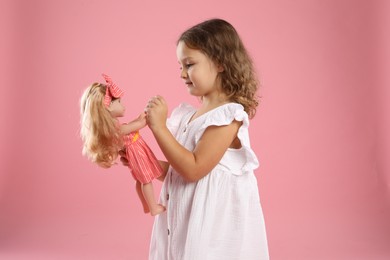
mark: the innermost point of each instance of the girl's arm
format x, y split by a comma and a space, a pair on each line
192, 165
136, 124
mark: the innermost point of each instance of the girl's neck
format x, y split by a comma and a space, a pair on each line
211, 102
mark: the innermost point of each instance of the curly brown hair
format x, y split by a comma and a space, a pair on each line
218, 39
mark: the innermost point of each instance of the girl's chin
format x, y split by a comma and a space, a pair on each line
194, 93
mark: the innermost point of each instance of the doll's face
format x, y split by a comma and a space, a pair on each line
116, 108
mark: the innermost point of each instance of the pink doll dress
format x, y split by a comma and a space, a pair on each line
142, 161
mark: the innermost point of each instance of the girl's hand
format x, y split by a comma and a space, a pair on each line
157, 111
123, 158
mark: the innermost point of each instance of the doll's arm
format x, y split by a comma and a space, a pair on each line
136, 124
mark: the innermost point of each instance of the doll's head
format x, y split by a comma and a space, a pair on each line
99, 129
218, 40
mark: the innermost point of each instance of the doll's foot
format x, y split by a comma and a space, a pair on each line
157, 210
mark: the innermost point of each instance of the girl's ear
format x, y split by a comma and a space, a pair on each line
220, 68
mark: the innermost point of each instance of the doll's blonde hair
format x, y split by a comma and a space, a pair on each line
99, 131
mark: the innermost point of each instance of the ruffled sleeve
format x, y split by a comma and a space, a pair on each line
174, 121
225, 115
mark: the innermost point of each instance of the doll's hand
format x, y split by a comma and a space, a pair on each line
142, 119
157, 111
123, 158
135, 125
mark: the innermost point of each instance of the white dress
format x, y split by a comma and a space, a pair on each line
218, 217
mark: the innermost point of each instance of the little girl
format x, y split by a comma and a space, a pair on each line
103, 137
210, 190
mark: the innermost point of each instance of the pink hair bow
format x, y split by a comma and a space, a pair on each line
112, 91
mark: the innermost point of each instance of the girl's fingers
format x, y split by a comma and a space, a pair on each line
161, 100
122, 153
155, 101
158, 99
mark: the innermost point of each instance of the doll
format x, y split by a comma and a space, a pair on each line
103, 137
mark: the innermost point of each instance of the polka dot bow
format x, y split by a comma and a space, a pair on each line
112, 90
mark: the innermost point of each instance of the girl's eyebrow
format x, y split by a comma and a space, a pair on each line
186, 59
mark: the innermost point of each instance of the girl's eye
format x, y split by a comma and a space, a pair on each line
187, 66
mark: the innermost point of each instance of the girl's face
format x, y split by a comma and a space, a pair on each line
198, 71
116, 108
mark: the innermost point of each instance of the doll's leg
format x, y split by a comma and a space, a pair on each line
148, 192
140, 194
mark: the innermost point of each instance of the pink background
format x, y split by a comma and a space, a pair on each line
321, 132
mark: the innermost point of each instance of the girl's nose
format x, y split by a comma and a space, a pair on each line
183, 74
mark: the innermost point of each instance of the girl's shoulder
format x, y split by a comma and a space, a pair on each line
220, 115
226, 113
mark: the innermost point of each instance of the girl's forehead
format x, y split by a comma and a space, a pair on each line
183, 52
